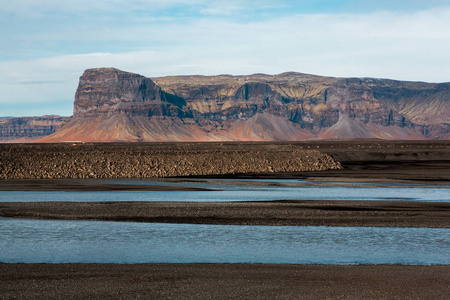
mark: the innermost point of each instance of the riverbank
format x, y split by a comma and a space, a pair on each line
218, 281
154, 160
273, 213
85, 185
356, 161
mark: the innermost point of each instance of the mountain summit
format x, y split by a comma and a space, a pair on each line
113, 105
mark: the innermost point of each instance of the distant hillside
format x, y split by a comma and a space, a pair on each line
112, 105
28, 129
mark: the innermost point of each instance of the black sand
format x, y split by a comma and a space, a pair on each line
77, 185
214, 281
276, 213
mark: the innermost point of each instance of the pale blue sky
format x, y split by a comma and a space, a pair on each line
47, 44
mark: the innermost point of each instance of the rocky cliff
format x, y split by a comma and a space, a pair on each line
28, 129
112, 105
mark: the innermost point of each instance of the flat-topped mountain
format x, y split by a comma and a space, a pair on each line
113, 105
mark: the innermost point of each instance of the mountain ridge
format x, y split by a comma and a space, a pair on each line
28, 129
113, 105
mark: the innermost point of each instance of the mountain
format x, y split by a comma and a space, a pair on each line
28, 129
113, 105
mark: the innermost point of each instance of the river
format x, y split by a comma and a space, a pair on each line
45, 241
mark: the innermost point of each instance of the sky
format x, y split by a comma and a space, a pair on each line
47, 44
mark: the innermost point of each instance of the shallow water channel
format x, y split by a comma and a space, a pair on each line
44, 241
243, 190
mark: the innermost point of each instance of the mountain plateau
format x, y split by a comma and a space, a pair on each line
112, 105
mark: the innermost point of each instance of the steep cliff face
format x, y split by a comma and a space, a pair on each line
28, 129
110, 91
112, 105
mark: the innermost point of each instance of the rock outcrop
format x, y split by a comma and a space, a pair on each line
28, 129
112, 105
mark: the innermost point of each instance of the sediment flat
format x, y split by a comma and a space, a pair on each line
218, 281
422, 162
84, 185
435, 172
273, 213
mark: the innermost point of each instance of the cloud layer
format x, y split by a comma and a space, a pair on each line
43, 66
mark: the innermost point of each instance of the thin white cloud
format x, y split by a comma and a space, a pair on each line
234, 7
33, 7
44, 6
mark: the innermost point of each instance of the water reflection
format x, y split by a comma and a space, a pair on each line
38, 241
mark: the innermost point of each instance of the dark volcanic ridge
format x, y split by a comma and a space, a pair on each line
112, 105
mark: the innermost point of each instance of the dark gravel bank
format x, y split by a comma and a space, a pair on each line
276, 213
132, 160
215, 281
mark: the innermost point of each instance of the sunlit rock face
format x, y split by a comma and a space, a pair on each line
112, 105
110, 91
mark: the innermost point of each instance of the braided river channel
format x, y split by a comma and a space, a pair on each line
61, 241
